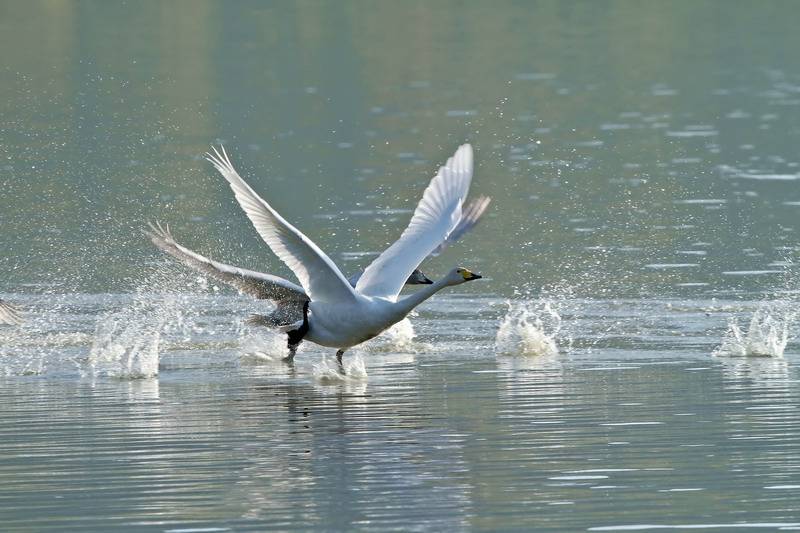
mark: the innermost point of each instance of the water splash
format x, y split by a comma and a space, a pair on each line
399, 337
327, 371
47, 341
263, 345
528, 328
767, 334
127, 341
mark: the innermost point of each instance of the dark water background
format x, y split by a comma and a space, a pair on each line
611, 135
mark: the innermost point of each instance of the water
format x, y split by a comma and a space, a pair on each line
631, 421
628, 362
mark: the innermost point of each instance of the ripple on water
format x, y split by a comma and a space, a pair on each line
502, 440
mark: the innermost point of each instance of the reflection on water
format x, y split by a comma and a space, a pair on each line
466, 437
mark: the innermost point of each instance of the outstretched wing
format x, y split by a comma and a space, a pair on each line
435, 218
9, 314
319, 276
256, 284
470, 216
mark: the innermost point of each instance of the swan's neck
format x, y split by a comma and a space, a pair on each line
412, 300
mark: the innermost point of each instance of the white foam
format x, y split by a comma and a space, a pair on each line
528, 329
262, 345
767, 334
696, 133
327, 371
399, 337
126, 341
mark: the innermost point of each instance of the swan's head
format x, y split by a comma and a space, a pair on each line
461, 275
418, 278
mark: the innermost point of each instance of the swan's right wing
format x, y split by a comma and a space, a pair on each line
9, 314
435, 218
470, 216
319, 276
256, 284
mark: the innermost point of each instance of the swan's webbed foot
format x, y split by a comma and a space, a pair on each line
339, 354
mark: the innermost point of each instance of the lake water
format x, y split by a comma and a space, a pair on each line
629, 362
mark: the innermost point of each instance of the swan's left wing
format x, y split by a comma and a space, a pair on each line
256, 284
9, 314
435, 218
319, 276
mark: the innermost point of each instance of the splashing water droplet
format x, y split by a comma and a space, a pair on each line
528, 328
262, 345
328, 372
766, 336
126, 341
399, 337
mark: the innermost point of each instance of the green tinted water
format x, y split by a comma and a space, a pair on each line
642, 160
596, 127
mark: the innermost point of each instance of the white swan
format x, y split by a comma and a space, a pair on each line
287, 296
9, 314
336, 314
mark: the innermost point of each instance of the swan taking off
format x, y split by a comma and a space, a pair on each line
327, 309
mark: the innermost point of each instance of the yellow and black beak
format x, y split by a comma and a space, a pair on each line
469, 276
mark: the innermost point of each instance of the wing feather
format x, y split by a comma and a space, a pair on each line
256, 284
437, 215
470, 216
319, 276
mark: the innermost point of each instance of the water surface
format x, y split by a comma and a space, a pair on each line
627, 363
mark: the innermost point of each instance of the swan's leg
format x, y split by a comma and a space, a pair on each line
289, 359
296, 336
339, 354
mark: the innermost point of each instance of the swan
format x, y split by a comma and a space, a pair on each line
9, 314
335, 314
288, 297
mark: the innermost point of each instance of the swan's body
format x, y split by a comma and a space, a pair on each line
343, 327
289, 297
334, 313
9, 314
